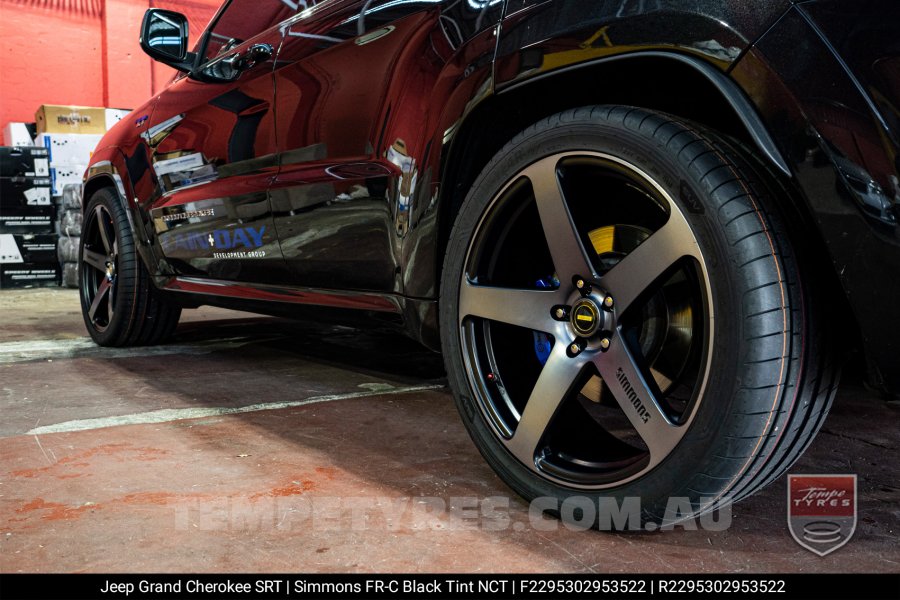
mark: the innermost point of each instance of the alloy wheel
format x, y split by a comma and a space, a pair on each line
585, 320
99, 267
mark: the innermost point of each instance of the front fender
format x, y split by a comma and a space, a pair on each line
108, 169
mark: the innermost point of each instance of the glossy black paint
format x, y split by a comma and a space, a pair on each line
366, 92
829, 93
224, 134
328, 171
541, 36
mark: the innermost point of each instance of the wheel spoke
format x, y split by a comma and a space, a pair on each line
110, 300
566, 248
550, 434
643, 265
102, 292
525, 308
108, 240
95, 259
636, 398
553, 386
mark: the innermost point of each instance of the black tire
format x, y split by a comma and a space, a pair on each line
753, 396
70, 275
68, 248
120, 305
70, 222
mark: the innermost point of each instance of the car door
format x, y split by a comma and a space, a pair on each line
353, 80
213, 152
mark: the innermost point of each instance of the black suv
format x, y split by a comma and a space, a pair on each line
640, 231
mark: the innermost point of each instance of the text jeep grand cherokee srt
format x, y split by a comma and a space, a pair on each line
639, 232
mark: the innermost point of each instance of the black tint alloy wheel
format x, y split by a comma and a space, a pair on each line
100, 259
632, 294
119, 304
622, 316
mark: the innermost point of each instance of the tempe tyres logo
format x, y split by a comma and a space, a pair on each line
822, 511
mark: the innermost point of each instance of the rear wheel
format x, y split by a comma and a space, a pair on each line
622, 315
119, 304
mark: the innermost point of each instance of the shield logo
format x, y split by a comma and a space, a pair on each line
821, 511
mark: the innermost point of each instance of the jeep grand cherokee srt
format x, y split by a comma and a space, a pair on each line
640, 232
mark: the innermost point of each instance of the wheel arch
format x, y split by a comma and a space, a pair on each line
105, 174
716, 102
98, 182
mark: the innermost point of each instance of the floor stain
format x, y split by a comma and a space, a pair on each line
121, 452
54, 510
294, 488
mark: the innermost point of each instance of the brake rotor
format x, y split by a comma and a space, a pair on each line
667, 321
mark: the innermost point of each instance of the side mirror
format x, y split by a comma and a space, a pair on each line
164, 36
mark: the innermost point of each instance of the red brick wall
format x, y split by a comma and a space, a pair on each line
81, 52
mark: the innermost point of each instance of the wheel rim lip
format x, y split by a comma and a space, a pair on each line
478, 388
91, 279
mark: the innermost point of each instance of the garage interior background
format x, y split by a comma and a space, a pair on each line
225, 450
82, 52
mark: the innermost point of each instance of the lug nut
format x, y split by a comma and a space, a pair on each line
582, 285
608, 302
575, 348
604, 344
560, 313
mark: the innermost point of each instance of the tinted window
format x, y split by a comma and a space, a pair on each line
243, 19
459, 18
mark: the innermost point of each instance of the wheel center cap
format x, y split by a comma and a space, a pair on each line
586, 317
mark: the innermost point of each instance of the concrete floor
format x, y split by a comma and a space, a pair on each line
253, 445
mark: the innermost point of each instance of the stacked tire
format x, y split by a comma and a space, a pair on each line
69, 229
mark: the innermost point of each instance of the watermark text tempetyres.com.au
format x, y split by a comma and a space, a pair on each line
455, 513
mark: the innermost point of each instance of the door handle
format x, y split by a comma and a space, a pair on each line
251, 56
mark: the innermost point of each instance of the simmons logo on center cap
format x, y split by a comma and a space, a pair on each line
585, 317
822, 511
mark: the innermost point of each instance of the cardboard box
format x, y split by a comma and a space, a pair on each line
68, 149
28, 248
65, 175
24, 161
19, 193
26, 205
114, 115
38, 219
51, 118
29, 275
18, 134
